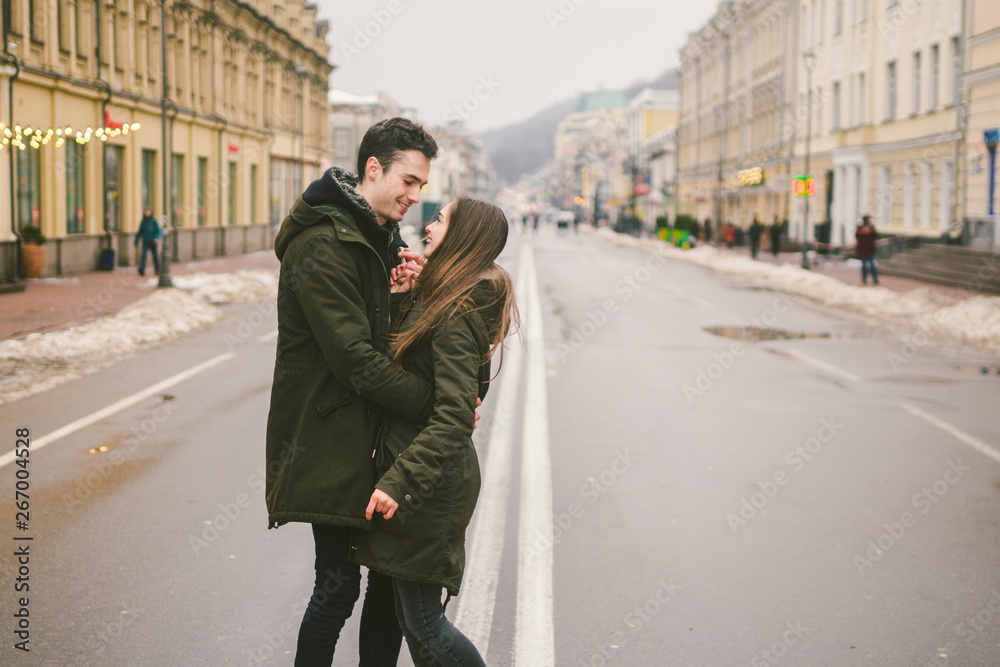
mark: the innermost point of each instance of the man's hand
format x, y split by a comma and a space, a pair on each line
381, 502
404, 275
479, 402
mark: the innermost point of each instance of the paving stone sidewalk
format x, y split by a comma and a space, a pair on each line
55, 303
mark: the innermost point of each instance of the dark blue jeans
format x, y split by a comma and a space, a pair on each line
432, 639
868, 265
149, 247
338, 584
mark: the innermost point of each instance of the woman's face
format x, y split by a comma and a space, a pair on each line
437, 229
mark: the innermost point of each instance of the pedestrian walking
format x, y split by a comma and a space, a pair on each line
729, 234
333, 378
776, 231
708, 231
754, 233
459, 313
147, 234
865, 235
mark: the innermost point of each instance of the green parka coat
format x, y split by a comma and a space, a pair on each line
429, 466
333, 378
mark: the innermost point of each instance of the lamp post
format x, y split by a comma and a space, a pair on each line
809, 60
165, 280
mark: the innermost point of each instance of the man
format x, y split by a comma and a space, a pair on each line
776, 231
333, 380
148, 233
865, 235
754, 233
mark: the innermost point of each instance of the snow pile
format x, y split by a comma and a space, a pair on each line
236, 287
41, 361
973, 321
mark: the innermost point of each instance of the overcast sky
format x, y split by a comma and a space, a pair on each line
494, 63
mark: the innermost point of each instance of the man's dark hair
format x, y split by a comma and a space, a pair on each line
386, 139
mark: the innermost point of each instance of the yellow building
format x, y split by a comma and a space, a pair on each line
85, 120
864, 91
982, 85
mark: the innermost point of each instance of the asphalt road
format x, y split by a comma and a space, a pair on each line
655, 494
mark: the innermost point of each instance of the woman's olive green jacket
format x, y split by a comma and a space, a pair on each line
430, 466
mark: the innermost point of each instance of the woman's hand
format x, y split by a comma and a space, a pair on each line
405, 274
381, 502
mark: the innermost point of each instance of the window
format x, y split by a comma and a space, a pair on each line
945, 194
37, 15
952, 79
935, 77
885, 195
253, 193
926, 189
909, 193
177, 189
81, 35
62, 19
29, 187
917, 84
838, 17
148, 179
114, 186
232, 193
15, 17
202, 181
862, 109
890, 90
75, 190
836, 106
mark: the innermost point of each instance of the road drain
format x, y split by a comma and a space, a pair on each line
757, 334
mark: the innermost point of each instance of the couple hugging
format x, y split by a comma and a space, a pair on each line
382, 359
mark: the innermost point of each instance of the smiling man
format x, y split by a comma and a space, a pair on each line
333, 379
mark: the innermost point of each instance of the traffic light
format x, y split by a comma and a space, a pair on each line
804, 186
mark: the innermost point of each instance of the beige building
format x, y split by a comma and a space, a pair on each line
350, 117
865, 90
982, 86
652, 119
246, 122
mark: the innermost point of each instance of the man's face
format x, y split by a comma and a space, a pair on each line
395, 189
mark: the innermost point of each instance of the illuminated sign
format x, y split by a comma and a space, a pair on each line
804, 186
748, 177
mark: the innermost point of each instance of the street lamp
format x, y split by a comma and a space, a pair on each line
164, 279
809, 60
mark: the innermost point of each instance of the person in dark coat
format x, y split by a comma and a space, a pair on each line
334, 380
866, 236
775, 231
148, 233
459, 314
754, 233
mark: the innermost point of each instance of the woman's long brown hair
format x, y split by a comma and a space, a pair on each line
477, 233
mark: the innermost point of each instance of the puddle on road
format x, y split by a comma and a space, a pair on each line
757, 334
984, 369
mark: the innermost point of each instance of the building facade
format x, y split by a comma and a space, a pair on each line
215, 130
860, 95
652, 119
982, 84
350, 117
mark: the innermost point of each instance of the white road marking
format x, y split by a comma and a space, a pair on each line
823, 366
953, 431
128, 401
479, 587
534, 638
268, 337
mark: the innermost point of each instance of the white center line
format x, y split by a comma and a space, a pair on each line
534, 638
823, 366
482, 574
268, 337
957, 433
128, 401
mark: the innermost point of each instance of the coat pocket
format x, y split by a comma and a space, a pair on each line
333, 398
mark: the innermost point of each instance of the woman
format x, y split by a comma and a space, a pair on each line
458, 314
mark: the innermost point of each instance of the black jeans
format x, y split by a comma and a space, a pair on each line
150, 248
338, 584
432, 639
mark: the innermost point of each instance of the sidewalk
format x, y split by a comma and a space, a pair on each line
55, 303
850, 272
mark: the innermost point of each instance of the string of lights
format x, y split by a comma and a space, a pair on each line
36, 137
